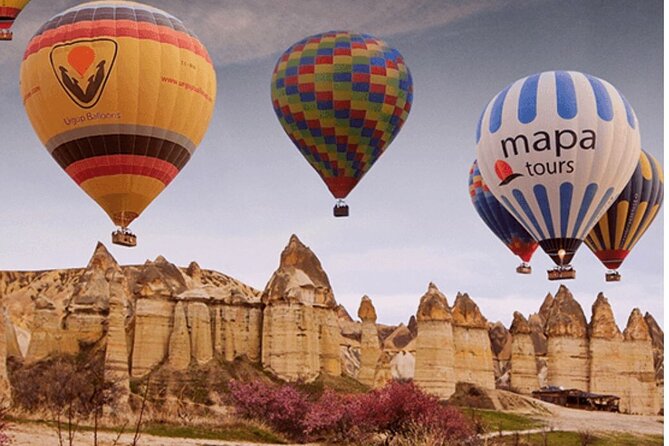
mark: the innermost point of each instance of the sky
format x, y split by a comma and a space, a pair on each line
247, 189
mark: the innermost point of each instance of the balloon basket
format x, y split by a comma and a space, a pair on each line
562, 273
6, 35
124, 237
613, 276
524, 268
340, 209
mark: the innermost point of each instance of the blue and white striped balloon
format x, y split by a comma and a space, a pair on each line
556, 148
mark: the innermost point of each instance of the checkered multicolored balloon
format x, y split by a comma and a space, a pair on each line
342, 98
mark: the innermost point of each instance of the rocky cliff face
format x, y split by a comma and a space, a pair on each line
607, 357
370, 347
435, 352
640, 392
524, 374
473, 353
186, 320
301, 335
567, 347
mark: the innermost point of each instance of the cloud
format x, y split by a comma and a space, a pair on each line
243, 30
237, 31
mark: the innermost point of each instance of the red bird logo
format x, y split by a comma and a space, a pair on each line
505, 172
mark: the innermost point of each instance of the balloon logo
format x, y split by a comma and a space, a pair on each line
505, 172
81, 58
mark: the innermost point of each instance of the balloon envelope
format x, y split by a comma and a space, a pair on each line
341, 98
556, 148
120, 94
498, 219
621, 227
9, 10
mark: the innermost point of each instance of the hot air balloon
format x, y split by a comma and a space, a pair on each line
120, 94
500, 221
556, 148
621, 227
9, 10
342, 98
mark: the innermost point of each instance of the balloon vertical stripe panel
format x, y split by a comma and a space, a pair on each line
629, 216
121, 95
341, 98
556, 148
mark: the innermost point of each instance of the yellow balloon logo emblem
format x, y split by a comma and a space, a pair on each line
82, 68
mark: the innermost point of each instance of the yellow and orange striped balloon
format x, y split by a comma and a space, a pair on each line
121, 95
9, 10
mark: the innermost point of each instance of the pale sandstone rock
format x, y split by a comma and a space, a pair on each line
403, 366
537, 334
412, 325
48, 338
342, 314
5, 388
153, 325
13, 345
500, 343
195, 273
435, 354
603, 323
116, 352
640, 393
568, 347
607, 353
290, 342
383, 372
329, 338
199, 322
370, 348
298, 340
473, 355
300, 278
350, 360
545, 308
400, 339
467, 314
657, 340
367, 312
523, 373
179, 350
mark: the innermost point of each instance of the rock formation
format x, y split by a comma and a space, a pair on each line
640, 393
566, 329
500, 343
523, 374
370, 348
657, 340
116, 352
435, 353
300, 329
179, 352
157, 317
607, 360
473, 354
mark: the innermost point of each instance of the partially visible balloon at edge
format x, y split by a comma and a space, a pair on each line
9, 11
628, 218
